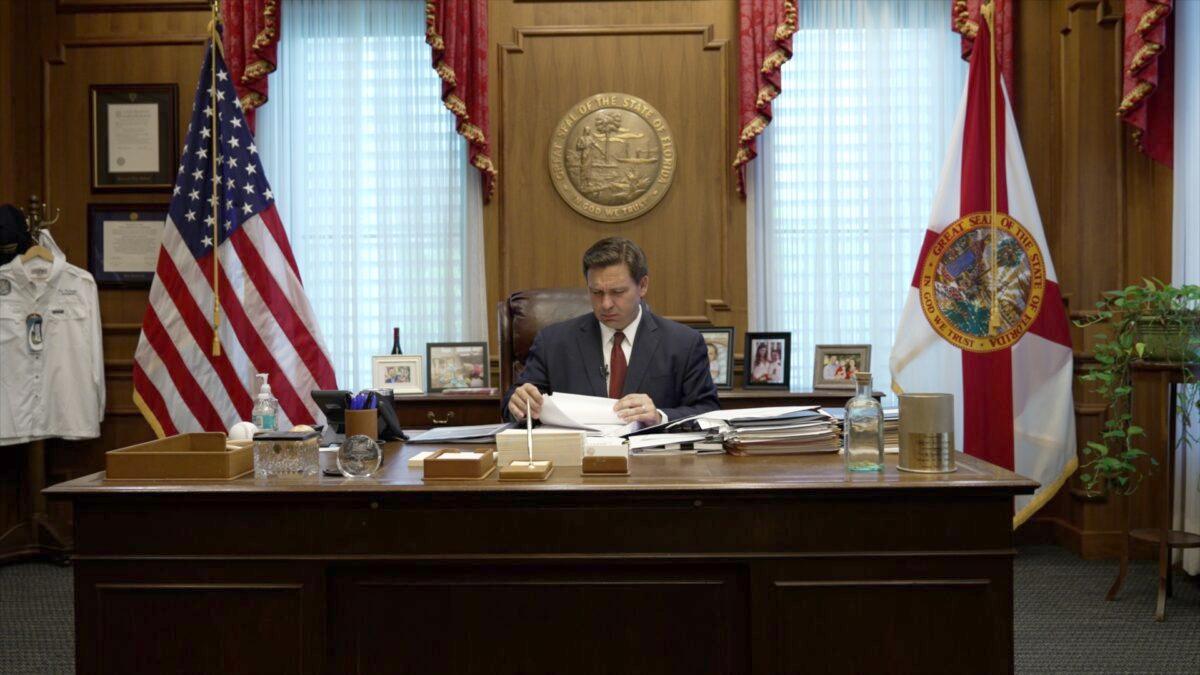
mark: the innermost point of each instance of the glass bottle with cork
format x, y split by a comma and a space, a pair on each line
862, 430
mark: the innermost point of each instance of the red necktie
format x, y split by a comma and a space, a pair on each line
616, 375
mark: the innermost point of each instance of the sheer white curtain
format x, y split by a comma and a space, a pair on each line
1186, 225
372, 182
840, 194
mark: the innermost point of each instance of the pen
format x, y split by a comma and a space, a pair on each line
529, 432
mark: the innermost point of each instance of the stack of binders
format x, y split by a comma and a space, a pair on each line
796, 432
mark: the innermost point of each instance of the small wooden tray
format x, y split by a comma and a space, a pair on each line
605, 462
441, 466
200, 456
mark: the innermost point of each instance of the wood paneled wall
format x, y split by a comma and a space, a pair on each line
1107, 213
1106, 208
681, 58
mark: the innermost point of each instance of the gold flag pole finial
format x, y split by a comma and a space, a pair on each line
216, 201
987, 11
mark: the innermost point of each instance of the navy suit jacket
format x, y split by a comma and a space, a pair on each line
669, 363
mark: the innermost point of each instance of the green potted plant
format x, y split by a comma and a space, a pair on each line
1150, 322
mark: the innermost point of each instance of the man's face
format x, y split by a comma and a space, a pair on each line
615, 295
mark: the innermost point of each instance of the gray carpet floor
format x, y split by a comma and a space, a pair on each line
1063, 624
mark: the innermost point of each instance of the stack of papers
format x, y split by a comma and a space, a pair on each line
593, 414
564, 447
891, 426
795, 432
749, 431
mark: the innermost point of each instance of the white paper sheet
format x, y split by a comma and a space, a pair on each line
590, 413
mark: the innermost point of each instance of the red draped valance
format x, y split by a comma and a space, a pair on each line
1148, 90
766, 28
250, 36
457, 32
965, 19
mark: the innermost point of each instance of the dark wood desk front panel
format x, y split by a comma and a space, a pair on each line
712, 564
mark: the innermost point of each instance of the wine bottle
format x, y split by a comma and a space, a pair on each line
396, 340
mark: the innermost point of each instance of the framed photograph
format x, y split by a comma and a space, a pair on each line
402, 374
768, 361
134, 133
123, 243
834, 366
457, 365
719, 341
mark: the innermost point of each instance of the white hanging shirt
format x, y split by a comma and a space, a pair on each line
51, 355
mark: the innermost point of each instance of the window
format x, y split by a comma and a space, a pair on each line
372, 182
846, 174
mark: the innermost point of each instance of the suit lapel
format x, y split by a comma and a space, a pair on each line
645, 344
590, 351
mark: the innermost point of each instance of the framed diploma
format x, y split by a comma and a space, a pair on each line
134, 137
123, 243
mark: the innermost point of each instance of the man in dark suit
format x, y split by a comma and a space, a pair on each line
655, 367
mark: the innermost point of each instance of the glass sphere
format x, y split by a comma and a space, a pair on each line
359, 457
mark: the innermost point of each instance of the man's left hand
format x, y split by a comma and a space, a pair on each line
637, 408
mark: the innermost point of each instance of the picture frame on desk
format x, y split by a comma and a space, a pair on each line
768, 361
124, 242
834, 366
457, 365
719, 341
398, 372
134, 137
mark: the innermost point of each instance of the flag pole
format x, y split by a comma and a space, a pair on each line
987, 10
216, 210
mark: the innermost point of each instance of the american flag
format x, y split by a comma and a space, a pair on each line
266, 323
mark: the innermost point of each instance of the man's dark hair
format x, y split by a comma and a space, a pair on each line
613, 250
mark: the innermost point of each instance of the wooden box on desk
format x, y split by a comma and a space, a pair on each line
201, 456
440, 467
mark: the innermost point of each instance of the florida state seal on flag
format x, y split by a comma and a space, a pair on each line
984, 318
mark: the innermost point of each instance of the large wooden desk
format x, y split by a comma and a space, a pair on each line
710, 564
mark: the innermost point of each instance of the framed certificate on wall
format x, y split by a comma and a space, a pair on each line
134, 137
123, 243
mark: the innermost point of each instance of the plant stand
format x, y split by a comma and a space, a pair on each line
1164, 538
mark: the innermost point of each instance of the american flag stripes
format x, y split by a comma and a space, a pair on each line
266, 324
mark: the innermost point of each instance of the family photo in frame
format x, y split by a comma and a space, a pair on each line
457, 365
718, 341
400, 373
835, 366
768, 359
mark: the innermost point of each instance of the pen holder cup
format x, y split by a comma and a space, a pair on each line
363, 422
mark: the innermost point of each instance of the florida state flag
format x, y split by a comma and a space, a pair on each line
984, 318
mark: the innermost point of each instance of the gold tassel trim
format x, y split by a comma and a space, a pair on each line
1143, 56
1134, 98
456, 105
257, 70
963, 25
773, 62
1146, 23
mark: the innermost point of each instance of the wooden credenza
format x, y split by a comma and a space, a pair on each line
692, 564
430, 410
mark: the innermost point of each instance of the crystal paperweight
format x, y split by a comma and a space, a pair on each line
359, 457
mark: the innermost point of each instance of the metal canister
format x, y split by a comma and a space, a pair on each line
927, 433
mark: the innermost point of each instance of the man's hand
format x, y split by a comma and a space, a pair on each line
637, 408
523, 393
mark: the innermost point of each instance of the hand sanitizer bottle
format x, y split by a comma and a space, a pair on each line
265, 407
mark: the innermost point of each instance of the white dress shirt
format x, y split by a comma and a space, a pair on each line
608, 336
52, 374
